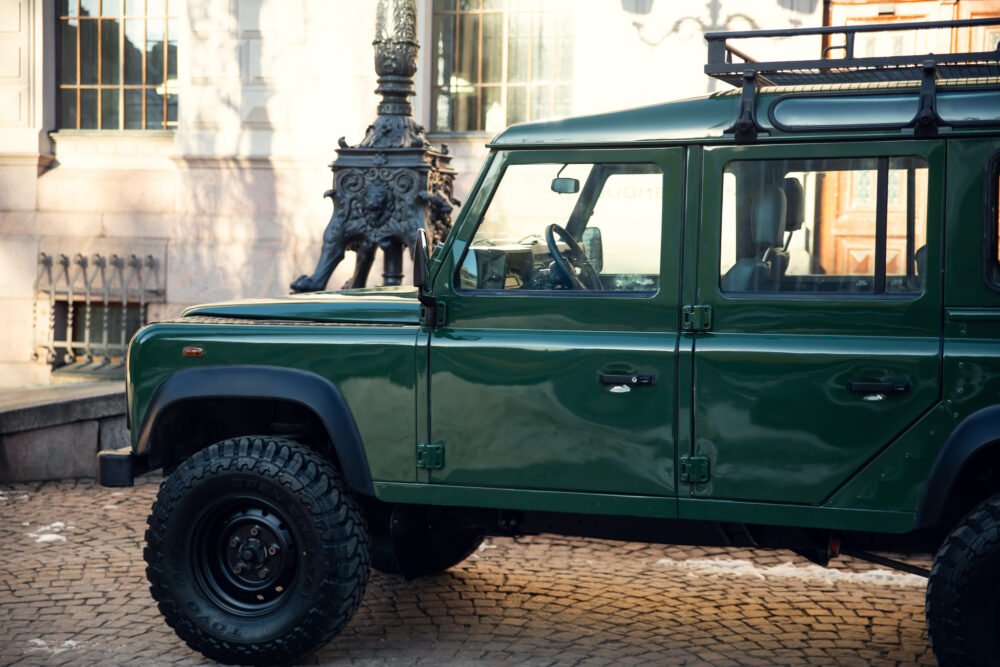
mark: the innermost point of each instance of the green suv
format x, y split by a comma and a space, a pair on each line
767, 317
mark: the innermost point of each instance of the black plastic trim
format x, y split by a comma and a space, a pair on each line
263, 382
881, 222
991, 213
978, 430
119, 467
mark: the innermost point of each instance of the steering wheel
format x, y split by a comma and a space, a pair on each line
575, 270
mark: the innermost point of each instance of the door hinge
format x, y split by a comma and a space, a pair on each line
694, 469
430, 455
433, 316
696, 318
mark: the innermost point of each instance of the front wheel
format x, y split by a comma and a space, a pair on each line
963, 593
256, 551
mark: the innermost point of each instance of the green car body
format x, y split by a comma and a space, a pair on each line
767, 318
506, 384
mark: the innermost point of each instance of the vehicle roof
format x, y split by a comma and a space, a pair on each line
705, 119
685, 120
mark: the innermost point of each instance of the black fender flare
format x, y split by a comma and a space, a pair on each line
268, 382
975, 432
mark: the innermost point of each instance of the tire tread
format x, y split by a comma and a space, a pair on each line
334, 512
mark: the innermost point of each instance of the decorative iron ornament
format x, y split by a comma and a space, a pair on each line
393, 182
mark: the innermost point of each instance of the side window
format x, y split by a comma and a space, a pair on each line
992, 221
552, 227
836, 226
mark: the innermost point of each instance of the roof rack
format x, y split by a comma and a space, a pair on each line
748, 73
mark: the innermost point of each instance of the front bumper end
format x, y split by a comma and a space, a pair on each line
119, 467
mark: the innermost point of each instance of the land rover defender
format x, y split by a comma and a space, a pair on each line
767, 317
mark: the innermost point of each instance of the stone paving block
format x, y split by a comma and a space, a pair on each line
531, 601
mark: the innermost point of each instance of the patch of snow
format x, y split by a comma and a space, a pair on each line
812, 573
117, 494
25, 523
109, 507
41, 644
22, 497
484, 546
48, 537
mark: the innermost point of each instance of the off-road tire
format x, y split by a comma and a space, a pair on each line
305, 500
963, 593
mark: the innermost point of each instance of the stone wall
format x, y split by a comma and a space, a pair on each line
56, 432
231, 203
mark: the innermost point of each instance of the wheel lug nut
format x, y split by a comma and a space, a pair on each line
238, 568
263, 573
273, 549
235, 542
254, 531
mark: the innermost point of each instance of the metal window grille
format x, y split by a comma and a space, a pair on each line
116, 64
91, 307
499, 62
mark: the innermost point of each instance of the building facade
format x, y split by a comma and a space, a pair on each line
160, 153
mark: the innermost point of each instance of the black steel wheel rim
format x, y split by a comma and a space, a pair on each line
244, 555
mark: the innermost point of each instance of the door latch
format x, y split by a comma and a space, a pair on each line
694, 469
696, 318
430, 455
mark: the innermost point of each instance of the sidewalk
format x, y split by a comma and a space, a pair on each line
55, 431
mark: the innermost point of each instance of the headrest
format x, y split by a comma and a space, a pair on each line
795, 198
768, 217
920, 259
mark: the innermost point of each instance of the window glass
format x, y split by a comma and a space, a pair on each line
116, 65
552, 227
843, 226
499, 62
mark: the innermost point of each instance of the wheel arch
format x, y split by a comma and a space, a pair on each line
217, 395
972, 449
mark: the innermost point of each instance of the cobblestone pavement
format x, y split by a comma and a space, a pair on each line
73, 591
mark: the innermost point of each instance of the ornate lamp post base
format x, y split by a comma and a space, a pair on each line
394, 182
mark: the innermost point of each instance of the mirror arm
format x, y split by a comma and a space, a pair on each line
429, 304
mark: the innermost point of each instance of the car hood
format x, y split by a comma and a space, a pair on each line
376, 305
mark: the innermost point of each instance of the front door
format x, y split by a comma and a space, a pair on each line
555, 367
821, 265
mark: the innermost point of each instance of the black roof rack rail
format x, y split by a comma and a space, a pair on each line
749, 74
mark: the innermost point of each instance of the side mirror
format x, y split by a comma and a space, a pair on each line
565, 186
420, 259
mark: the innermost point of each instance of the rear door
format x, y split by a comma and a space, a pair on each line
821, 266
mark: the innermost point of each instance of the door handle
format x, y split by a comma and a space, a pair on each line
628, 379
892, 387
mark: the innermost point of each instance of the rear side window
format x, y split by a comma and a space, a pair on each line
992, 214
824, 226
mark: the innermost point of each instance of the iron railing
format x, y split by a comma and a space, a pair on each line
94, 305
